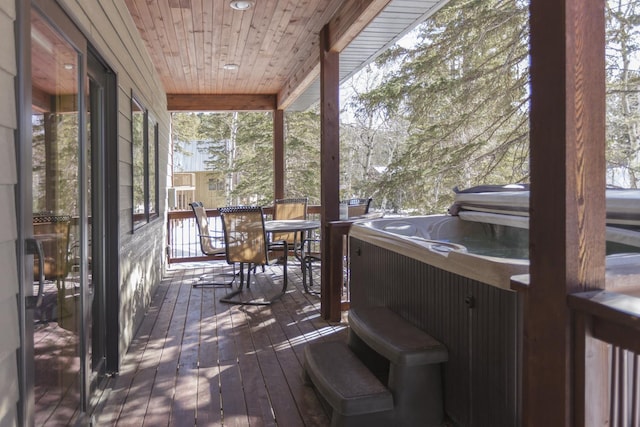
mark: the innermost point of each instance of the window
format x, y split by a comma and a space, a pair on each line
144, 155
138, 147
216, 184
152, 163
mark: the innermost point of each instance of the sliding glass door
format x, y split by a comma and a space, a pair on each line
64, 346
59, 223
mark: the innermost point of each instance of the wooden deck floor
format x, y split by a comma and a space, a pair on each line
196, 361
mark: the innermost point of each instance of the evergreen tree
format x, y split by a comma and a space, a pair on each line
623, 87
302, 155
215, 135
370, 134
184, 128
254, 159
463, 90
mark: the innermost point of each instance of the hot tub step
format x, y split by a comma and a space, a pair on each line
394, 338
355, 395
413, 363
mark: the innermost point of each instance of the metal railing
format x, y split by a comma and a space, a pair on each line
183, 244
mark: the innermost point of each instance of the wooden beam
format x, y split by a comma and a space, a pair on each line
278, 154
331, 278
567, 237
352, 17
199, 102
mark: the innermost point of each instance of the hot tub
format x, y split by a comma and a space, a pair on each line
450, 276
487, 247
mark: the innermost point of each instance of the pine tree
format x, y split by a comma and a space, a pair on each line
623, 87
463, 90
302, 155
254, 159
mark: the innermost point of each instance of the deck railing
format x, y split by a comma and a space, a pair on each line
182, 236
614, 318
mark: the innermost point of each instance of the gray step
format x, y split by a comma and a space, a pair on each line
344, 381
394, 338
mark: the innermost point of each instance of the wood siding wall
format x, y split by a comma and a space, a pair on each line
9, 333
110, 29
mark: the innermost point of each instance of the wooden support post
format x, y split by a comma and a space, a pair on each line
329, 173
567, 236
278, 154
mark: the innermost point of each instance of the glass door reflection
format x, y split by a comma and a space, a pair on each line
57, 216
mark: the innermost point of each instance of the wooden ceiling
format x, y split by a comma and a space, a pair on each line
274, 45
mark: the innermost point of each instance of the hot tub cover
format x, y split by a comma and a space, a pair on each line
623, 205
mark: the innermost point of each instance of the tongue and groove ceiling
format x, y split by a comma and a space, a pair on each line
275, 46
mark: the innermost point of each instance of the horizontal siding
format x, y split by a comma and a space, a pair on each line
7, 106
10, 390
8, 231
7, 45
9, 321
8, 171
9, 332
9, 272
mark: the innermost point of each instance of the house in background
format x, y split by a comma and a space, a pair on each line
183, 191
194, 181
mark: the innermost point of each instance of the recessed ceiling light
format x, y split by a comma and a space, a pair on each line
242, 4
230, 67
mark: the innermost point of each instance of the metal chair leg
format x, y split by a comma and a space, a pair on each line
217, 284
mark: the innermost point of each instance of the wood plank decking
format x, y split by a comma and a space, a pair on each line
198, 362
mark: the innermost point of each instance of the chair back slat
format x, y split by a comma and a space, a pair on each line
244, 234
295, 208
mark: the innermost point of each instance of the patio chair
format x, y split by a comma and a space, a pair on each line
246, 243
207, 246
289, 209
358, 206
52, 231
